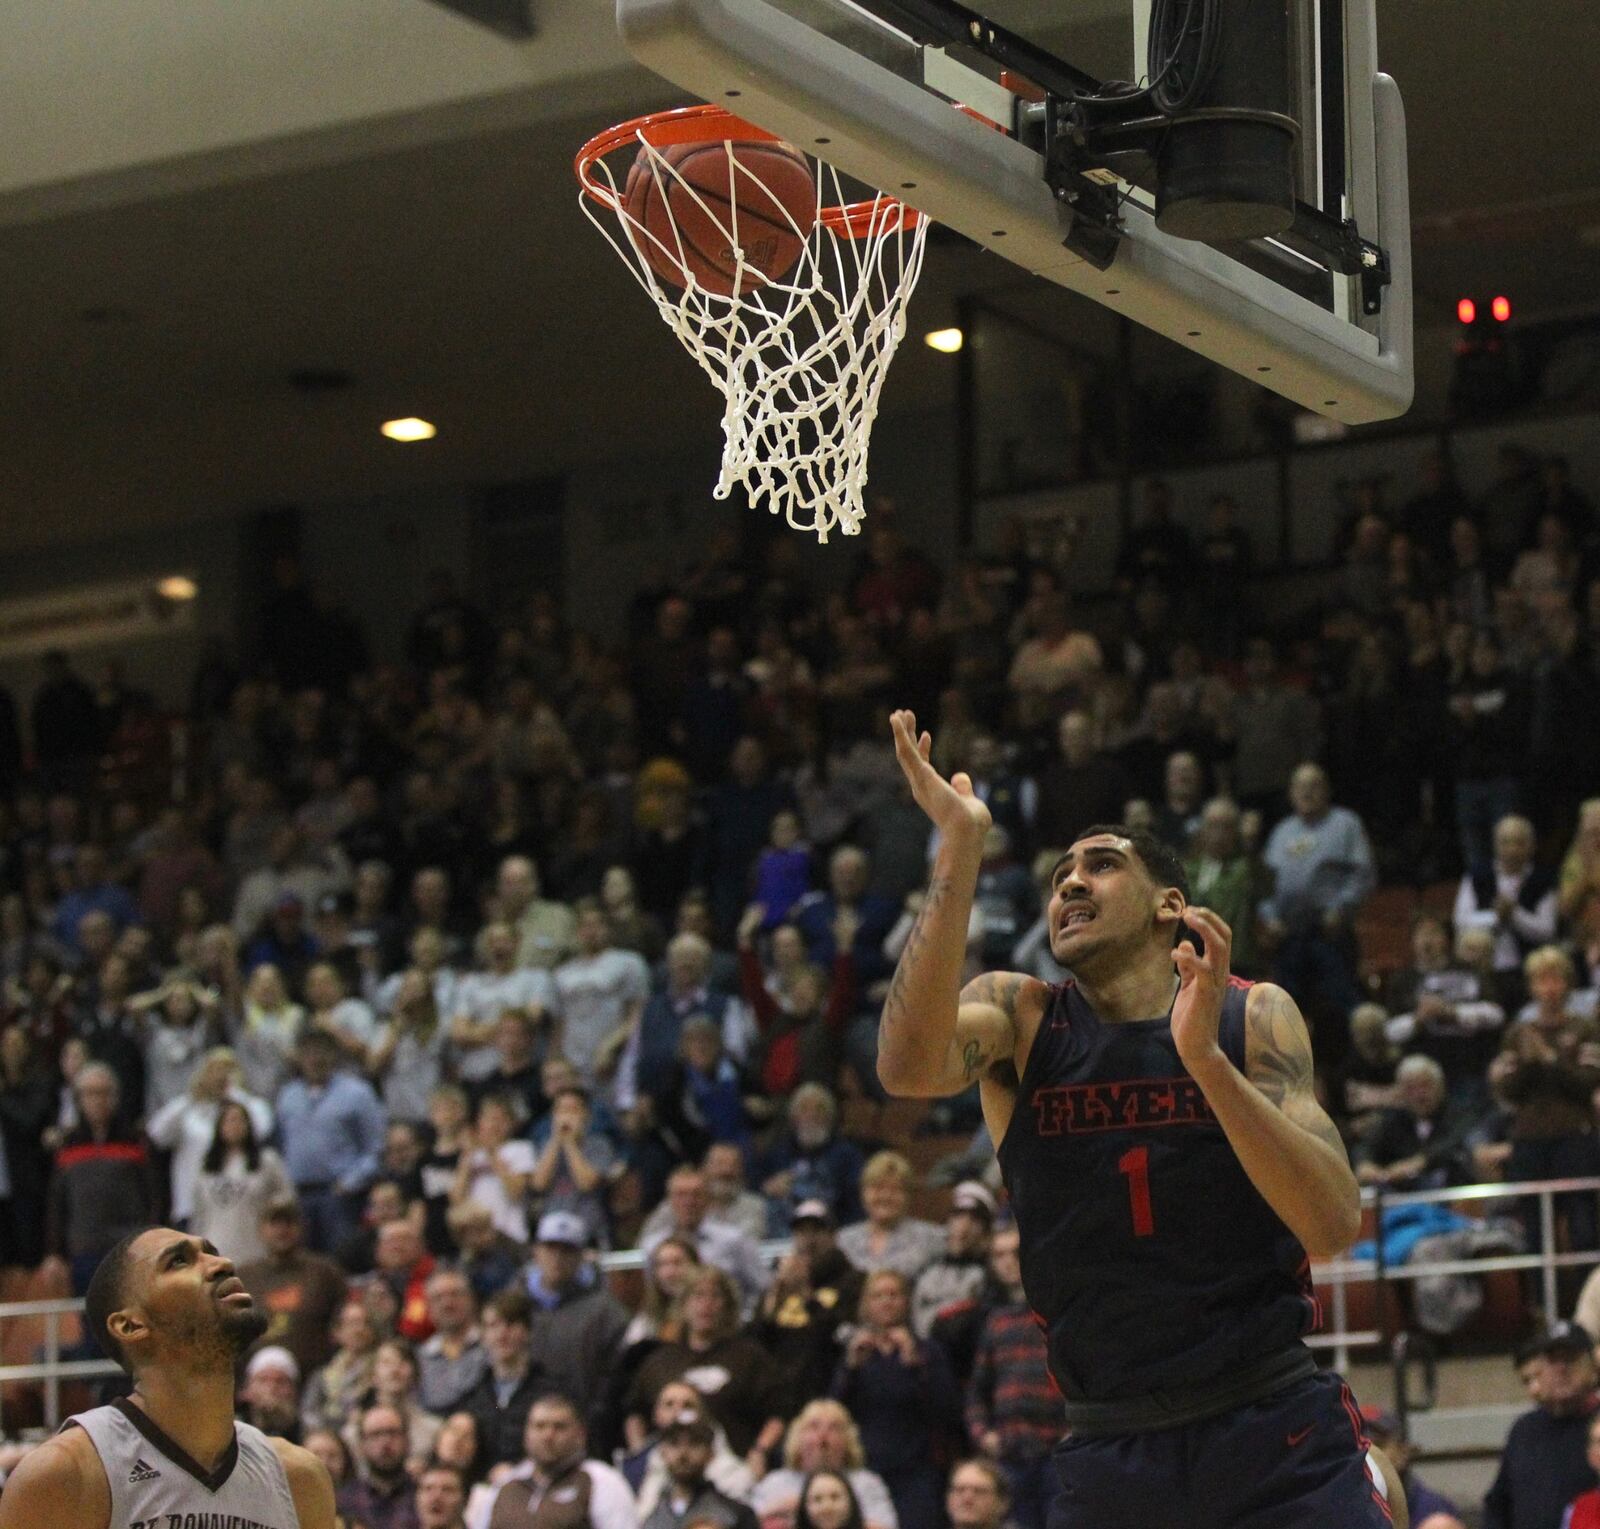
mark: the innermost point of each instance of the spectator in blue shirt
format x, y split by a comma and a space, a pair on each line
92, 892
849, 872
809, 1160
332, 1127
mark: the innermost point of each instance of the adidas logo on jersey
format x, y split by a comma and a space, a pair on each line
142, 1472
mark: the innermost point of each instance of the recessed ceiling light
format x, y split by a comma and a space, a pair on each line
409, 429
177, 586
947, 340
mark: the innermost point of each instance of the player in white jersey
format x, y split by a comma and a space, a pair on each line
171, 1311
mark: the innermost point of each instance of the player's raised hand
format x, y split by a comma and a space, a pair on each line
956, 811
1202, 985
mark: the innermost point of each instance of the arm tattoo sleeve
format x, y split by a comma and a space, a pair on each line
894, 1004
1280, 1066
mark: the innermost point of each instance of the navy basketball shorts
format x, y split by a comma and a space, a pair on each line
1294, 1460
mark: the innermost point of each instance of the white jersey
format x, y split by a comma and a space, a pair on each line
156, 1485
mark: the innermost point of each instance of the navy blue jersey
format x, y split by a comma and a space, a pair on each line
1151, 1258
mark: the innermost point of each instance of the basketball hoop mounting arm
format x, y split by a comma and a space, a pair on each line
1090, 139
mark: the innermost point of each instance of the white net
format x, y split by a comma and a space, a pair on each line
799, 357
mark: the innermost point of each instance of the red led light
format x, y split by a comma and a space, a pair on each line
1466, 310
1501, 309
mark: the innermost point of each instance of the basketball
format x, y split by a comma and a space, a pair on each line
704, 193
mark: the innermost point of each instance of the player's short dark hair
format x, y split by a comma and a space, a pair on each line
1158, 857
107, 1293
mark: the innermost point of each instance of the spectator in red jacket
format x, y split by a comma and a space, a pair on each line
1584, 1510
404, 1265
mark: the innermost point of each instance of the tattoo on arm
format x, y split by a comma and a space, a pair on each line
973, 1060
894, 1004
1280, 1066
1000, 989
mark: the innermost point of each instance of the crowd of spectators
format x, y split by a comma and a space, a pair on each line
428, 977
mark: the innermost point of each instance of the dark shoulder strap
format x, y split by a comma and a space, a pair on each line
1231, 1030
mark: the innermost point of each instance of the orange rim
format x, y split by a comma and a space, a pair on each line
715, 124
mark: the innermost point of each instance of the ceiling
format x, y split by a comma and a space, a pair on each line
439, 260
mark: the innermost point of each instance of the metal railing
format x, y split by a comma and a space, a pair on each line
52, 1369
1450, 1428
1334, 1274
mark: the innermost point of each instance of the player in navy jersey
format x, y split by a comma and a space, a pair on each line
1170, 1170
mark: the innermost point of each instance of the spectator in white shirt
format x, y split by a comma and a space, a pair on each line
823, 1437
481, 997
494, 1172
427, 949
330, 1008
238, 1180
1513, 899
729, 1200
600, 994
187, 1125
557, 1446
407, 1059
717, 1242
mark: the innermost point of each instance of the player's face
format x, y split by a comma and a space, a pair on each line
1101, 898
190, 1299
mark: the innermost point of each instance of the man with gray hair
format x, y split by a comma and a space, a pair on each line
810, 1160
1422, 1144
104, 1187
1223, 877
1514, 899
647, 1060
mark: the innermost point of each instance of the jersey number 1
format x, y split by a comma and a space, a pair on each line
1135, 1166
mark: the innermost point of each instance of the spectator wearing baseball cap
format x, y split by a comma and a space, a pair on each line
687, 1496
300, 1291
813, 1296
280, 939
272, 1392
1545, 1464
959, 1275
1428, 1509
577, 1323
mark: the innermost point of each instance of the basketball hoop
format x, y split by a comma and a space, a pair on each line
798, 355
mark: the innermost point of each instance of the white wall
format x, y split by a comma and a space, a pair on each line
104, 102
